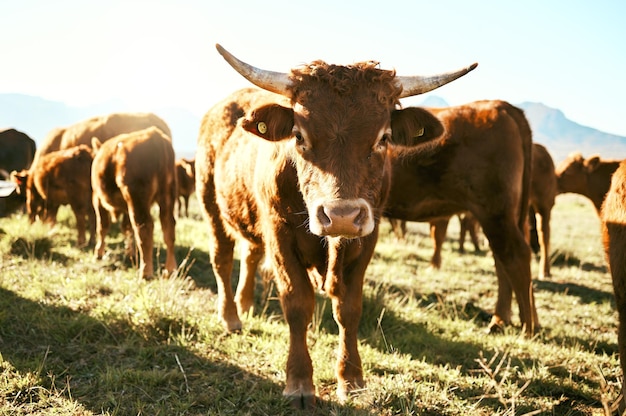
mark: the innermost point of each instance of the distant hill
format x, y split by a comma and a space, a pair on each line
560, 135
36, 116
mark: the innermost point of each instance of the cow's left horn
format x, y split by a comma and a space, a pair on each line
416, 85
277, 82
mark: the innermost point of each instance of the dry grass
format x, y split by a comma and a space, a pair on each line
86, 337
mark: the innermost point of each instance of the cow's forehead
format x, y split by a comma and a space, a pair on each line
342, 115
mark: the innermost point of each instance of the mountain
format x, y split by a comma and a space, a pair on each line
560, 135
36, 116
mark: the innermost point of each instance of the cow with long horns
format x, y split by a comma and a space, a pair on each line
300, 174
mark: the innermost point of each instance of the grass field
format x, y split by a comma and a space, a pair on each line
85, 337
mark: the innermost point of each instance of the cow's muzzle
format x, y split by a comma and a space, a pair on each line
351, 218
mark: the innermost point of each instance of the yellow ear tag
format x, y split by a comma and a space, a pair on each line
420, 132
261, 127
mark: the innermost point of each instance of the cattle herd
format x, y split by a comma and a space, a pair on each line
299, 172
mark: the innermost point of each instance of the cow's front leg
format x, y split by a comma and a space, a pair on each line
298, 301
347, 309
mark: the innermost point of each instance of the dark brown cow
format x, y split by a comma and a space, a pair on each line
17, 151
63, 177
590, 177
613, 220
308, 191
482, 164
102, 127
543, 191
186, 176
130, 173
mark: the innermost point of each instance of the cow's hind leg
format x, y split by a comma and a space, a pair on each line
143, 229
438, 230
80, 212
512, 259
103, 222
221, 252
168, 225
251, 255
543, 234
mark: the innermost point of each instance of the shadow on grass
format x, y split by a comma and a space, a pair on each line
561, 258
586, 294
118, 367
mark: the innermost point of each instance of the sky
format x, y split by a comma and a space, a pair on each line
569, 55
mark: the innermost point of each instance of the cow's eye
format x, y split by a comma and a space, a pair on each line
384, 141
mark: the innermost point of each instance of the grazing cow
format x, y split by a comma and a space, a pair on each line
102, 127
186, 177
589, 177
613, 220
64, 177
308, 192
481, 164
131, 172
17, 151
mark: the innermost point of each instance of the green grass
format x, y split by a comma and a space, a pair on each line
85, 337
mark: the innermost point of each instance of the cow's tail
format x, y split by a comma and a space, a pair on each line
527, 143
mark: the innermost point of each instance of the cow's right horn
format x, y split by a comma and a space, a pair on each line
277, 82
415, 85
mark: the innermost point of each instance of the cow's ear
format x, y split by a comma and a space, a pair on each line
414, 125
592, 163
95, 144
272, 122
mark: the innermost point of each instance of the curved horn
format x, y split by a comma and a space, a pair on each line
277, 82
416, 85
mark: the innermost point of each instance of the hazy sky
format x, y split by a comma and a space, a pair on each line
569, 55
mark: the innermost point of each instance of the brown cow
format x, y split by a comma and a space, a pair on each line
613, 220
308, 191
186, 180
130, 173
102, 127
543, 191
63, 177
590, 177
482, 164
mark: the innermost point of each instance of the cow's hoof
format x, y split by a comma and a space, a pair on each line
302, 402
233, 327
347, 390
496, 326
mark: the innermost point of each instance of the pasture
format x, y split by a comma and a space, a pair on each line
85, 337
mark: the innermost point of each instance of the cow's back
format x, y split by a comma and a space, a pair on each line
141, 163
106, 127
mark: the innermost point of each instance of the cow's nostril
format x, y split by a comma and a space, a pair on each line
322, 217
361, 217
